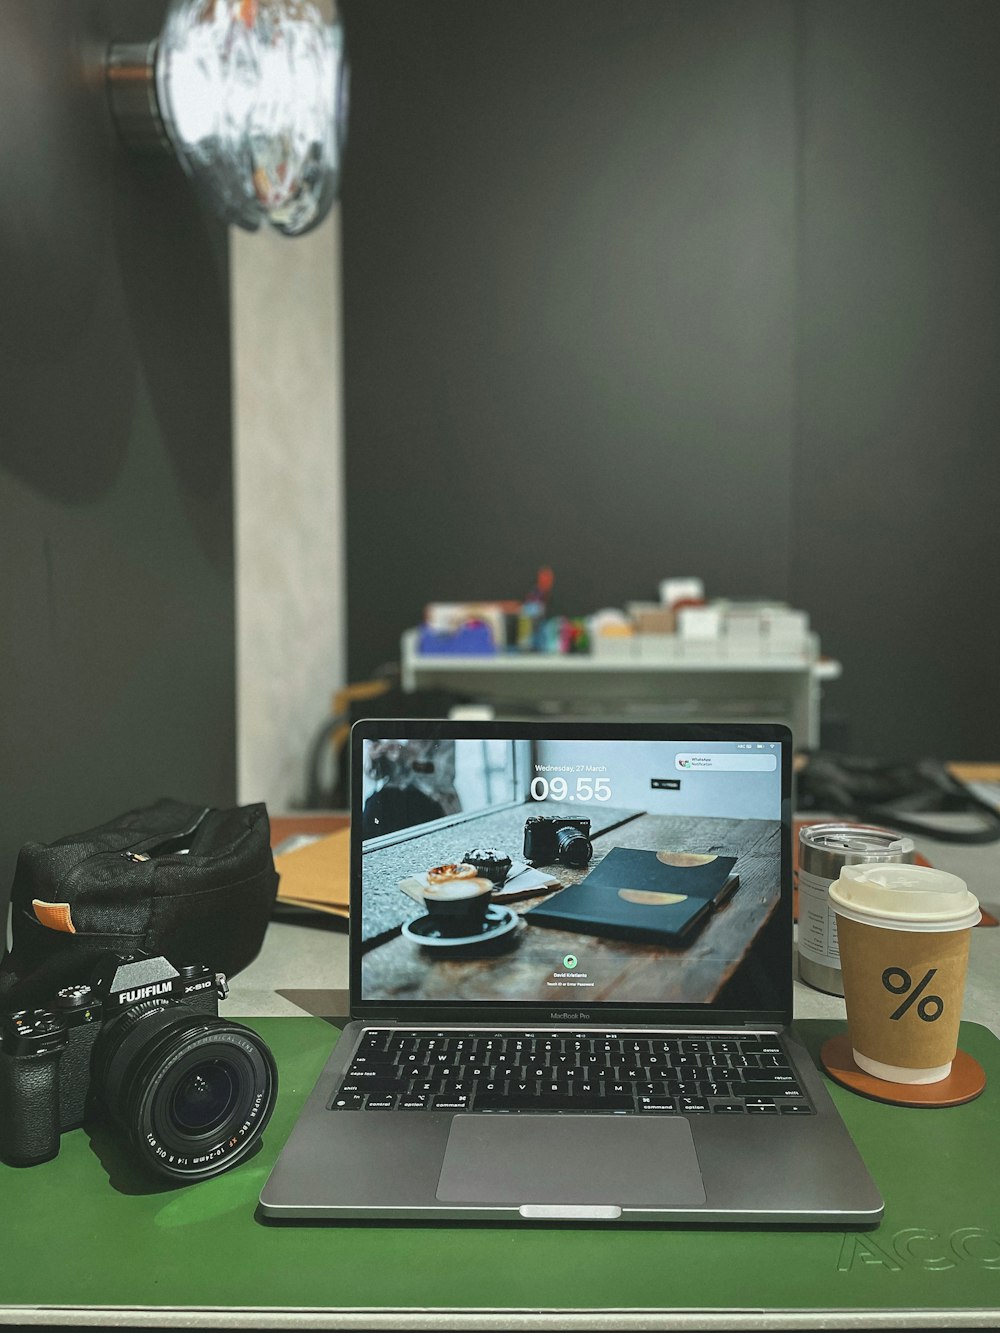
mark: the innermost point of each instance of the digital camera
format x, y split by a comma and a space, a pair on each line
549, 840
191, 1090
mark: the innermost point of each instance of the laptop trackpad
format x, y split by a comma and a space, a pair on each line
596, 1160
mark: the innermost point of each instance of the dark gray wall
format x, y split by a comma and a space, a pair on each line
667, 287
897, 466
116, 584
568, 273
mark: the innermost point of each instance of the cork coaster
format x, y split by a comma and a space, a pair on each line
964, 1084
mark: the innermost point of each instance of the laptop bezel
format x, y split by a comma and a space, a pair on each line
604, 1014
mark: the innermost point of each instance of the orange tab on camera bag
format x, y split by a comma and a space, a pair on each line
57, 916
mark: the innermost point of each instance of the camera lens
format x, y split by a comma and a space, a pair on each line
192, 1091
204, 1098
574, 848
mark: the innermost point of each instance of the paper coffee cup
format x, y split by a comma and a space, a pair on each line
903, 933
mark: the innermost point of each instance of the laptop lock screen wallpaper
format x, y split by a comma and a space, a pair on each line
572, 873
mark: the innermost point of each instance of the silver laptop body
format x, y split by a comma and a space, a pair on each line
670, 962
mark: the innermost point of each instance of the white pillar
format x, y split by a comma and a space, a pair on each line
289, 502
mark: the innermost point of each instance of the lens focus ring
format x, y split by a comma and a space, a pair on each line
193, 1091
575, 848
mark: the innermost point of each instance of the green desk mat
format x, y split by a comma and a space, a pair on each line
83, 1241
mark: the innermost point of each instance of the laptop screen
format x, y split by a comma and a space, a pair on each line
571, 871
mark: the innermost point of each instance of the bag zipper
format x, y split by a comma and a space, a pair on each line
135, 854
159, 840
164, 844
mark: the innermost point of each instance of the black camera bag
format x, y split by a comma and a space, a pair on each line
192, 883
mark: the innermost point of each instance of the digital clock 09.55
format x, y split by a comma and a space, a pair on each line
577, 789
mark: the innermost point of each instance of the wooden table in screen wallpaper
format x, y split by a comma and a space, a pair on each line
394, 967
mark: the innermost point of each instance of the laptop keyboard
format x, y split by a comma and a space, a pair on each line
627, 1073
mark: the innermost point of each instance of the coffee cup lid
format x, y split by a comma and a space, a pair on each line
904, 897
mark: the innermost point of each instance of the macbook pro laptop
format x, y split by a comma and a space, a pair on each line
571, 984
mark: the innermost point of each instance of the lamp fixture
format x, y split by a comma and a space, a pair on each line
251, 96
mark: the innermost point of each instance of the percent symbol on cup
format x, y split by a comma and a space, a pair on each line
899, 982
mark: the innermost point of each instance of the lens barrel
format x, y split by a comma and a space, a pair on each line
575, 848
192, 1091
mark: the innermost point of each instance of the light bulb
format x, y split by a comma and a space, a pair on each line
252, 97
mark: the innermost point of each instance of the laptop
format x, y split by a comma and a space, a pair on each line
621, 1058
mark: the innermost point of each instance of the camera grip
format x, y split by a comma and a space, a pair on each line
29, 1107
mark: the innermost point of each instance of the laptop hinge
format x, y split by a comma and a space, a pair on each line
385, 1021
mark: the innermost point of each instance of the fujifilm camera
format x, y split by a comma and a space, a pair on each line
191, 1091
549, 840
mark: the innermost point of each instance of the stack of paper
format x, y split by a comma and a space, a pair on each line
318, 874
